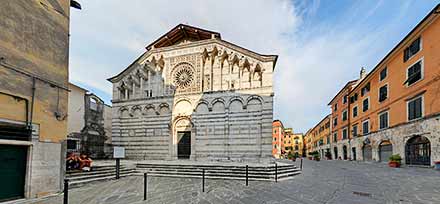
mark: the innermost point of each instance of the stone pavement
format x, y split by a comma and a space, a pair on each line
321, 182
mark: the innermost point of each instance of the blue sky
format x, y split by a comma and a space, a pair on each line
321, 44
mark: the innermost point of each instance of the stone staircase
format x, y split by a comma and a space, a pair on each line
234, 172
98, 173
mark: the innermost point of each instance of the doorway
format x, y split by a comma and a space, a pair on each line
353, 149
385, 151
344, 150
12, 171
184, 144
418, 151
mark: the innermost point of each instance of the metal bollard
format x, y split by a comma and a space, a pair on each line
118, 164
66, 191
145, 186
276, 172
247, 174
203, 180
301, 167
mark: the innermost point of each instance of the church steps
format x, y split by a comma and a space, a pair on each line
98, 173
218, 171
101, 174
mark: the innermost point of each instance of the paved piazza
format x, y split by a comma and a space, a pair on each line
321, 182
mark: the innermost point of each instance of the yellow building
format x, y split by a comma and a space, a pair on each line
293, 142
34, 53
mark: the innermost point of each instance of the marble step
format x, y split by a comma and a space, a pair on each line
76, 184
100, 174
222, 177
93, 171
267, 168
219, 171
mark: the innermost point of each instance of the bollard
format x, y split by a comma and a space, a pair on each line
276, 172
301, 167
145, 186
117, 167
247, 179
66, 191
203, 180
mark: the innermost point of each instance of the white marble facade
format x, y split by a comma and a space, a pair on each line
218, 92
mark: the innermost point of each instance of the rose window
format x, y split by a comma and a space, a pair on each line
183, 76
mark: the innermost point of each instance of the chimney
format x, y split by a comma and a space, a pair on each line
362, 74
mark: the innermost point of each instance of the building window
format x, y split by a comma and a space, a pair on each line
335, 122
365, 127
296, 146
365, 104
355, 111
415, 108
355, 130
344, 133
365, 89
335, 107
275, 139
328, 139
344, 115
414, 73
383, 74
275, 146
344, 101
383, 120
412, 49
354, 98
275, 131
335, 137
383, 93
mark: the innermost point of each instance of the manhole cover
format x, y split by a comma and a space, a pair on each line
362, 194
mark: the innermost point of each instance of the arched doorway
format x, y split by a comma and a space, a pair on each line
385, 151
367, 153
344, 150
418, 151
183, 139
335, 153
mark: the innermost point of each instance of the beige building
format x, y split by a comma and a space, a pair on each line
193, 95
34, 45
89, 124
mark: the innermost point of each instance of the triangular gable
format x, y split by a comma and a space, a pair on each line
181, 32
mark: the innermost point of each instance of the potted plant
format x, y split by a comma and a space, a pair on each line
290, 156
394, 161
437, 165
315, 155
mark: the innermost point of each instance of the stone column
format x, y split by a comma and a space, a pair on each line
134, 90
141, 92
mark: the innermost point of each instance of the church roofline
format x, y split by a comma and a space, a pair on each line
182, 31
218, 40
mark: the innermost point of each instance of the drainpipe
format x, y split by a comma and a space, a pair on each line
32, 107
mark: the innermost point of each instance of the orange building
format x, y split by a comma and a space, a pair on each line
395, 109
277, 139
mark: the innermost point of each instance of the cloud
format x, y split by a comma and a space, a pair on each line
315, 60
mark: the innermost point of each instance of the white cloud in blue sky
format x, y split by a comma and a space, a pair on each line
321, 45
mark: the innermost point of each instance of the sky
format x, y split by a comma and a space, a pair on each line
321, 44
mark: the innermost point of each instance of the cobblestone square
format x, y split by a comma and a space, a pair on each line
320, 182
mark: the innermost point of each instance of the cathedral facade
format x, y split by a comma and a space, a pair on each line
192, 95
